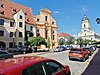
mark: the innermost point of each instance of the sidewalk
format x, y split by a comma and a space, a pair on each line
94, 66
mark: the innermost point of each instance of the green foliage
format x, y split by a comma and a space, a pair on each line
48, 43
69, 41
61, 41
37, 41
85, 42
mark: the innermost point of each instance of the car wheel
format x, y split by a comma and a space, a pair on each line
70, 58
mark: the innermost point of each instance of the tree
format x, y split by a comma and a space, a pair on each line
48, 43
37, 41
61, 41
80, 42
69, 41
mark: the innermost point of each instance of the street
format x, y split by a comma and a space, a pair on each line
76, 67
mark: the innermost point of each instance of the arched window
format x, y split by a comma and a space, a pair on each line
84, 25
1, 22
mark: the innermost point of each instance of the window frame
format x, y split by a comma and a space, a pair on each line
2, 22
20, 24
53, 62
40, 63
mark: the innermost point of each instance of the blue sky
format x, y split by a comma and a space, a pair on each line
68, 13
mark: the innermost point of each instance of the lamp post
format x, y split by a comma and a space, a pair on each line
98, 20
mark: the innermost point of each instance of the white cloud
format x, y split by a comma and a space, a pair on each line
56, 12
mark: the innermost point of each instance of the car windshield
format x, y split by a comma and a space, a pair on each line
75, 50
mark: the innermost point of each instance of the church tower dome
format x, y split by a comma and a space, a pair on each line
85, 18
85, 24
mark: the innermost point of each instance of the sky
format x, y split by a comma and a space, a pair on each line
68, 13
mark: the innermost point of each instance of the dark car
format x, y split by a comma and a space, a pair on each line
5, 55
59, 49
68, 47
32, 65
26, 49
90, 50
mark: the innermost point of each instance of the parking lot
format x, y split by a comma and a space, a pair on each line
77, 67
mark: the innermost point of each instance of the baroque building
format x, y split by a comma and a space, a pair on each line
46, 26
86, 32
13, 20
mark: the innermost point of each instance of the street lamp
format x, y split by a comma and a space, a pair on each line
98, 20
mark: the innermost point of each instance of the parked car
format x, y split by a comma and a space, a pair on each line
78, 53
5, 55
26, 49
68, 47
32, 65
89, 49
59, 49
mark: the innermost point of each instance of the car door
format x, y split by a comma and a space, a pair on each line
54, 68
35, 69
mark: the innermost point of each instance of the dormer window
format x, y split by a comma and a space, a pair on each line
2, 5
14, 10
2, 12
25, 13
21, 17
28, 19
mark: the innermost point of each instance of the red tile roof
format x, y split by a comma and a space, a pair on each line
64, 34
10, 8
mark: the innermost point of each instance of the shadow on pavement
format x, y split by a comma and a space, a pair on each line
94, 66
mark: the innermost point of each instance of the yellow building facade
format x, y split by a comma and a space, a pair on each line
46, 27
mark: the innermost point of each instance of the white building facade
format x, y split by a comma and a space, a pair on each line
13, 19
86, 32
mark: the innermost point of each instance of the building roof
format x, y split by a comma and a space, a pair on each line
85, 18
64, 34
10, 8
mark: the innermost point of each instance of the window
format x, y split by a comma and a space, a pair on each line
1, 33
20, 34
37, 30
84, 26
1, 22
31, 27
20, 24
11, 24
38, 20
2, 5
11, 34
2, 12
53, 32
36, 69
53, 67
10, 44
53, 37
20, 43
21, 17
52, 22
45, 18
46, 34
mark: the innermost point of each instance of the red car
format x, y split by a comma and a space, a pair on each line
32, 65
78, 53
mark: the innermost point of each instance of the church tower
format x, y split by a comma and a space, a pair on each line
85, 24
86, 32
